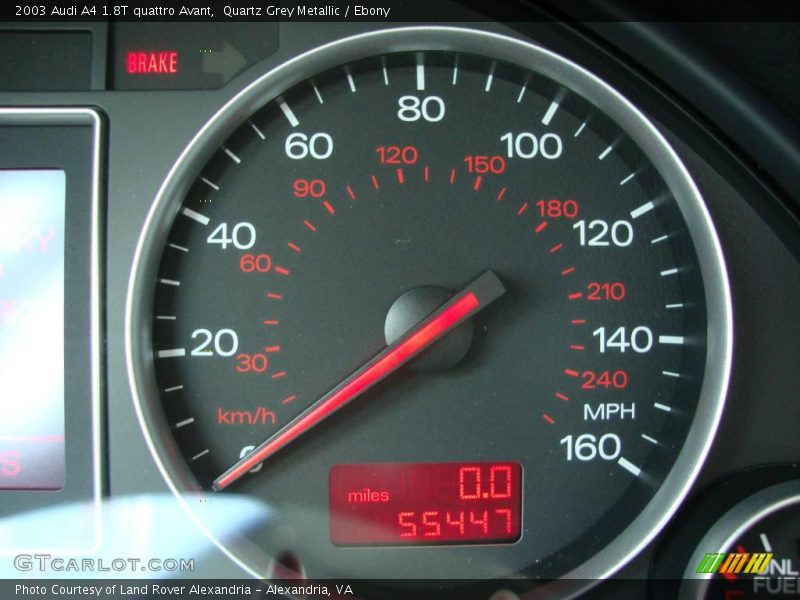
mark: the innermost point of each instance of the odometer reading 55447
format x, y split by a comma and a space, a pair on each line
425, 503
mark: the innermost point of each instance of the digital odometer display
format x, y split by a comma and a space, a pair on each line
426, 257
427, 503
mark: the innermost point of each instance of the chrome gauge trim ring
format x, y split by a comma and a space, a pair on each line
524, 54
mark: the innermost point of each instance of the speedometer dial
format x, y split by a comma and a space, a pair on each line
458, 300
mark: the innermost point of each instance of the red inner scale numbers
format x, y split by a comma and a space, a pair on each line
425, 503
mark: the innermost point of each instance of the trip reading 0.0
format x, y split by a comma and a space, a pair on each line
425, 503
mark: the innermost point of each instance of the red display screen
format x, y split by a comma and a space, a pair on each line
425, 503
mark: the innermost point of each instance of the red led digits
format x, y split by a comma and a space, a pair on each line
470, 486
10, 463
425, 503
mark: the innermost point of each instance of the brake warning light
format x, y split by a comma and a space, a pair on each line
152, 63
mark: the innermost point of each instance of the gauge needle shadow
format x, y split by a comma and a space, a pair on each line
462, 306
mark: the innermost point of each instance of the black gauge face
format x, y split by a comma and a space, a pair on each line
305, 314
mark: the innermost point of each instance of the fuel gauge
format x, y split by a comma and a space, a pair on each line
753, 551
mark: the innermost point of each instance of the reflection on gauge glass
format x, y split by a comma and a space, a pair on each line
32, 453
752, 551
390, 287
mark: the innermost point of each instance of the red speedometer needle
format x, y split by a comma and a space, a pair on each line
476, 296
